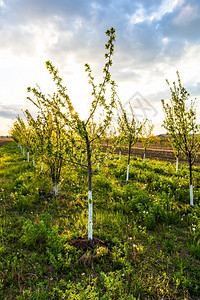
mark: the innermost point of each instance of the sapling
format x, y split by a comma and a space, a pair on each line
146, 136
88, 131
129, 131
51, 134
23, 132
181, 125
172, 138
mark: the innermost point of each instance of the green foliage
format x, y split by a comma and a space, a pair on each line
24, 135
146, 134
52, 136
129, 129
180, 122
150, 235
35, 234
181, 125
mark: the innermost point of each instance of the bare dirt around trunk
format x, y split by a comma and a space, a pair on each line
85, 244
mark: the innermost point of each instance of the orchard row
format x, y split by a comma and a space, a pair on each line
58, 136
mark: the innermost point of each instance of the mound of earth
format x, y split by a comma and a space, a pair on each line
85, 244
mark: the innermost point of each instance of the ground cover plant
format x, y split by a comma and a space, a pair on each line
146, 235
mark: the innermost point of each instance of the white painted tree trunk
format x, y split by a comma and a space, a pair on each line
42, 167
28, 156
55, 189
33, 161
191, 195
90, 215
127, 175
98, 166
23, 151
120, 153
177, 164
144, 157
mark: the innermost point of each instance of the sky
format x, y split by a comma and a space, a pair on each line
154, 39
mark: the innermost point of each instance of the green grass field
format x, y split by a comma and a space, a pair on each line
146, 235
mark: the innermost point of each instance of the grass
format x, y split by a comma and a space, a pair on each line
149, 234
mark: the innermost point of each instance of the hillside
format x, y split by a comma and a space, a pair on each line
146, 235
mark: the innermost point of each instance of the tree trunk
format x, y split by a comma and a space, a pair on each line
191, 186
144, 154
120, 153
28, 156
90, 203
129, 155
127, 174
33, 161
177, 164
23, 151
55, 188
98, 166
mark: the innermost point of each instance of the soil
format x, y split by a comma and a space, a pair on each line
85, 244
153, 152
4, 141
157, 152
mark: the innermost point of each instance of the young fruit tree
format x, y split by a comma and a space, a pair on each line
176, 149
146, 136
51, 133
16, 133
22, 133
109, 139
129, 130
181, 125
86, 132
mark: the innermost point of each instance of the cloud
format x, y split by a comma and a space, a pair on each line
77, 28
10, 111
183, 22
151, 36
